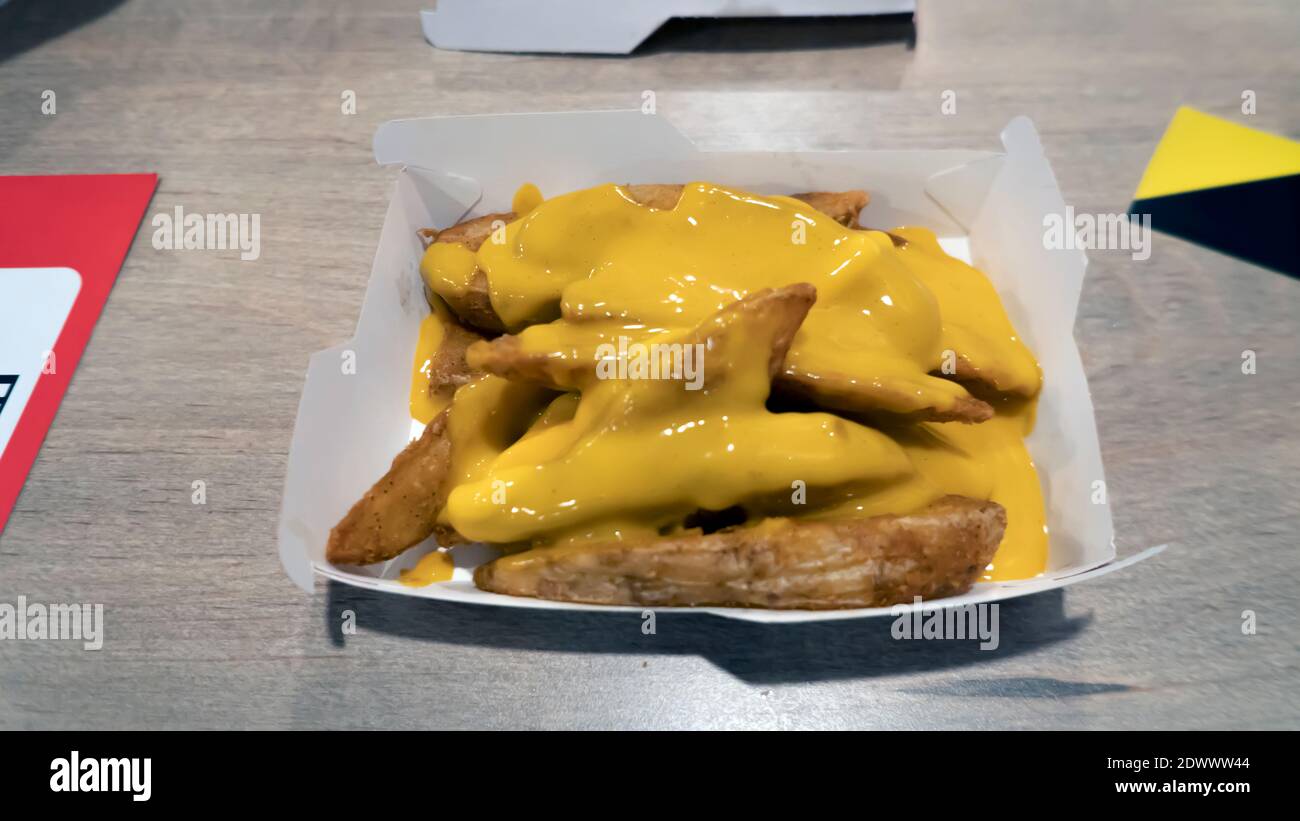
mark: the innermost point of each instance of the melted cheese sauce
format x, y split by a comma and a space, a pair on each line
432, 567
984, 461
633, 457
447, 268
526, 199
642, 454
424, 404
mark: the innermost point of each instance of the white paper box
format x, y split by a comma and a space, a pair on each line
604, 26
985, 207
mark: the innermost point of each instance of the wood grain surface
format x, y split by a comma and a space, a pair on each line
195, 369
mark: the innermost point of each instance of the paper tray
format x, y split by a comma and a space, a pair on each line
986, 207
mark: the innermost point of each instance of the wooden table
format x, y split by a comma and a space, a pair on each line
195, 369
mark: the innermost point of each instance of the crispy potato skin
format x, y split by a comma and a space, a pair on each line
449, 369
474, 307
842, 395
473, 232
506, 357
841, 206
401, 509
874, 562
781, 309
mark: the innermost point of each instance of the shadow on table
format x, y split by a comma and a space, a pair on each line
779, 33
755, 653
25, 24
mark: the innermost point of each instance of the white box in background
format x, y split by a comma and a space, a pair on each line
604, 26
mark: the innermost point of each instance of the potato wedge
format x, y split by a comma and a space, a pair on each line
780, 564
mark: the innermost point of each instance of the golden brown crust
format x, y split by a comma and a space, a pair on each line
855, 398
990, 381
841, 206
402, 508
473, 232
874, 562
781, 309
659, 196
505, 356
449, 369
474, 306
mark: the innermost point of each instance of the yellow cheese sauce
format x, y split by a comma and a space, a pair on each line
424, 404
619, 457
648, 452
447, 268
432, 567
526, 199
597, 254
984, 461
974, 324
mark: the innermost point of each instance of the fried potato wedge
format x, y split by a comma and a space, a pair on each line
401, 509
841, 206
474, 305
473, 232
507, 356
855, 398
990, 379
784, 307
448, 369
778, 310
780, 564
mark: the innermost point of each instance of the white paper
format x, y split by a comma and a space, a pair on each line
34, 304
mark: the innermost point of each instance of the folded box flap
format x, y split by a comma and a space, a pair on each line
961, 191
311, 460
1003, 203
354, 413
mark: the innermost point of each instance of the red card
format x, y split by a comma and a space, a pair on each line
62, 242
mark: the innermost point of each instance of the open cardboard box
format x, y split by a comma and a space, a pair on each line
986, 207
611, 27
